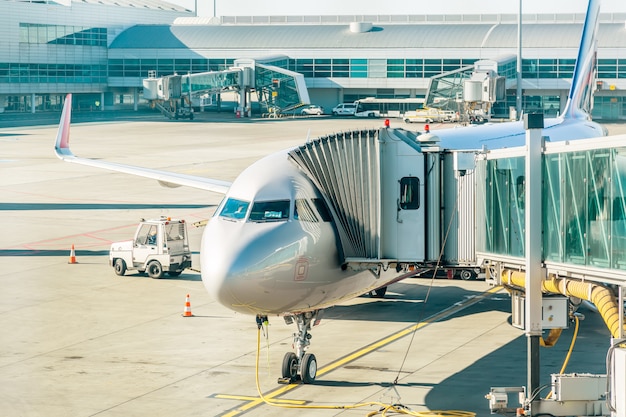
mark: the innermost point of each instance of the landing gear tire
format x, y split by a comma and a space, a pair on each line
309, 368
120, 267
290, 366
155, 270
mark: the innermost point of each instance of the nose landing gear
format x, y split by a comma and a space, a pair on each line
300, 365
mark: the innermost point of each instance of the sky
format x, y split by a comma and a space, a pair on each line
360, 7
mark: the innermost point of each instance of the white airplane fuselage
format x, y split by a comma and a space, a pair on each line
275, 266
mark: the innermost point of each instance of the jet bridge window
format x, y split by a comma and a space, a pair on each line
409, 193
235, 209
269, 211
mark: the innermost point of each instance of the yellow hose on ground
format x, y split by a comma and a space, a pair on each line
600, 296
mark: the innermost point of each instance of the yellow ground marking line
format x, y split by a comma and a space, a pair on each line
253, 402
248, 398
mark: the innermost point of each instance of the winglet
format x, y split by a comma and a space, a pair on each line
62, 145
580, 100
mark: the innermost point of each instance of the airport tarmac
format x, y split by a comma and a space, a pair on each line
78, 340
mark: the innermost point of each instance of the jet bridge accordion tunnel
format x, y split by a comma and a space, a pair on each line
385, 191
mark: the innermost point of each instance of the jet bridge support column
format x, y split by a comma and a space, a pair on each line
533, 123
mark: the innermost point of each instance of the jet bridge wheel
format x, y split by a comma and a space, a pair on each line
155, 270
119, 266
467, 274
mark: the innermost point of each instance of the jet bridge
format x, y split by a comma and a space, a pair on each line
277, 89
400, 201
471, 90
384, 189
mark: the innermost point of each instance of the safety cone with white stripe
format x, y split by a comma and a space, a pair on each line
187, 311
72, 256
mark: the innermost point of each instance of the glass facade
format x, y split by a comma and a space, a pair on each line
365, 68
14, 72
62, 35
584, 207
133, 67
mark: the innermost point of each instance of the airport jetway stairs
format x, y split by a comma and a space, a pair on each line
370, 181
277, 88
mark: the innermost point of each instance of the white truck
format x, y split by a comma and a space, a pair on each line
429, 115
160, 246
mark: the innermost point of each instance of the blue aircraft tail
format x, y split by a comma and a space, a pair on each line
580, 100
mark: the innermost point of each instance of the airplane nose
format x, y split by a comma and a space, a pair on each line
241, 263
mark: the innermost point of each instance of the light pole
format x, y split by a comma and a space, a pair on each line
518, 94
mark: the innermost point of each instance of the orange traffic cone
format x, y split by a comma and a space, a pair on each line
72, 256
187, 312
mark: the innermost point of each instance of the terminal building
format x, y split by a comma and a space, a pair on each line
102, 50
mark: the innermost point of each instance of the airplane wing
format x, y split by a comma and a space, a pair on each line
165, 178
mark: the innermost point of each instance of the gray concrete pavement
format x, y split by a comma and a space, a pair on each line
77, 340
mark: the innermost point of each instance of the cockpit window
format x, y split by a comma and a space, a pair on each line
322, 209
235, 209
268, 211
303, 211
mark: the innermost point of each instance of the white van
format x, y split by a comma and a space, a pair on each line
344, 109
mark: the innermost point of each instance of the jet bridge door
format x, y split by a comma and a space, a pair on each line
403, 208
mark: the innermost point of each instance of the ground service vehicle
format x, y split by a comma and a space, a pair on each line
429, 116
386, 107
160, 245
312, 110
344, 109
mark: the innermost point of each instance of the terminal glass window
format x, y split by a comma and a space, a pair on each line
547, 68
341, 68
414, 68
432, 67
165, 67
451, 64
182, 66
304, 67
607, 68
358, 68
147, 65
62, 35
530, 68
132, 68
395, 68
621, 68
377, 68
566, 68
322, 68
199, 65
